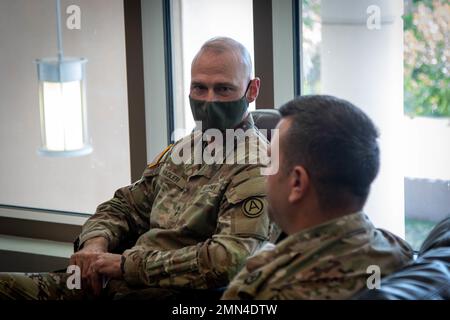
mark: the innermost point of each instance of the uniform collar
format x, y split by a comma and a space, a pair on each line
305, 240
247, 123
196, 139
335, 228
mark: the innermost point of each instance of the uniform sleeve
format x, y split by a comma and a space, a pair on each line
242, 226
232, 292
126, 216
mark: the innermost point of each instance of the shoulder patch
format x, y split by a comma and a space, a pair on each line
158, 158
253, 207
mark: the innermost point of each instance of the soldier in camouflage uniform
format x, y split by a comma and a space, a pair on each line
188, 225
329, 157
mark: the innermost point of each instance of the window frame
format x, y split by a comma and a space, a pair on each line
143, 60
58, 225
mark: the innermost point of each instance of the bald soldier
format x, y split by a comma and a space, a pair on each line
329, 156
183, 225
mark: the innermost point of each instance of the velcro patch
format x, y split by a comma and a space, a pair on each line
213, 187
173, 177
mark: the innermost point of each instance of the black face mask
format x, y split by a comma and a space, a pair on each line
219, 115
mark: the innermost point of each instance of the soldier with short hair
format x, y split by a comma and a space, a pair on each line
185, 225
329, 156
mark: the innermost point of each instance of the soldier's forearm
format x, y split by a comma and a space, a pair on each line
209, 265
99, 244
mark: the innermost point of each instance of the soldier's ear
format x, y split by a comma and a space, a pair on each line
253, 90
299, 183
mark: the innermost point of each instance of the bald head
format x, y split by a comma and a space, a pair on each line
222, 71
224, 45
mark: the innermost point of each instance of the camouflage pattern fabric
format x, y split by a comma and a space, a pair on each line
328, 261
185, 225
53, 286
191, 225
37, 286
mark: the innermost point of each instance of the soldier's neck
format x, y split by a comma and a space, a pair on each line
306, 218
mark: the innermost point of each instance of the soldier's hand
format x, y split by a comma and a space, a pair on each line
85, 258
109, 265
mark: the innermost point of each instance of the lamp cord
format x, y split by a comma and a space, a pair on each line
58, 28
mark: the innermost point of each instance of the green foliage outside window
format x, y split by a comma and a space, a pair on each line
426, 58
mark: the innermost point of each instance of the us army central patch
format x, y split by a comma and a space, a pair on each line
253, 207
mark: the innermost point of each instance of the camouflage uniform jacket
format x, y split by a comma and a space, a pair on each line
188, 225
328, 261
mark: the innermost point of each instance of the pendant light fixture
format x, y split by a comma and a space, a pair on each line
62, 100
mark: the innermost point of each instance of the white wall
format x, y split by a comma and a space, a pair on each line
426, 168
27, 32
427, 141
366, 67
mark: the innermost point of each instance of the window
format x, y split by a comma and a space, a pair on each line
27, 32
232, 18
356, 52
427, 116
